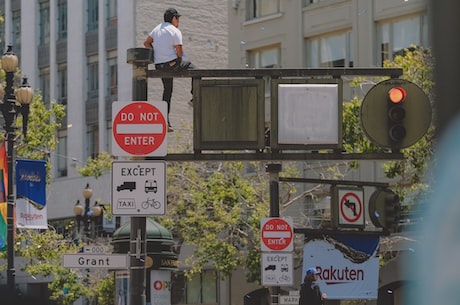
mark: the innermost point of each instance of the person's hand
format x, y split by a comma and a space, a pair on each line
324, 296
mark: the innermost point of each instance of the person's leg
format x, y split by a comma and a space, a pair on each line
187, 65
167, 94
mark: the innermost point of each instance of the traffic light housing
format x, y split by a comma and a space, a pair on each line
385, 209
395, 114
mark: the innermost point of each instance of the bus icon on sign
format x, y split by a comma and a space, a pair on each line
151, 186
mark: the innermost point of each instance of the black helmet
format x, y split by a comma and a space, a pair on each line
170, 13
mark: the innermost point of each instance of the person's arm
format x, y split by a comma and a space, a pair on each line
148, 42
179, 51
318, 294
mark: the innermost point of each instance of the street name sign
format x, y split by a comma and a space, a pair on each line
277, 234
110, 261
139, 129
290, 299
138, 188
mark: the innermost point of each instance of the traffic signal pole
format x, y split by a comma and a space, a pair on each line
139, 58
274, 170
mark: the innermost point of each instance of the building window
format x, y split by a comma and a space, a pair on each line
260, 8
265, 58
93, 14
16, 37
112, 77
45, 86
62, 84
93, 140
93, 79
44, 23
395, 36
62, 154
112, 12
201, 289
330, 51
62, 19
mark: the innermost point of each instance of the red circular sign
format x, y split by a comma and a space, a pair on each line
351, 207
277, 234
139, 128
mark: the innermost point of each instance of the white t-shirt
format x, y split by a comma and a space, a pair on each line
165, 37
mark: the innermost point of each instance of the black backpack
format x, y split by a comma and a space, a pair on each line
308, 295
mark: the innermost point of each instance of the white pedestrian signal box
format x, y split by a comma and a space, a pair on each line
138, 188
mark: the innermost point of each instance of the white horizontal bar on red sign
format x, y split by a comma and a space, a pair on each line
276, 234
139, 128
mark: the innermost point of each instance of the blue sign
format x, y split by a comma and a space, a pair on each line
31, 181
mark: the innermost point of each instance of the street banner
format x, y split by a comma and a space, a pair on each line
28, 216
3, 212
31, 181
4, 167
348, 265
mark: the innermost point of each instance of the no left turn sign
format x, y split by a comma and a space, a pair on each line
351, 211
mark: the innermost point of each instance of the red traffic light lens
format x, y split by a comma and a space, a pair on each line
397, 95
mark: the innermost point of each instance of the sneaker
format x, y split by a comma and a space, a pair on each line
170, 129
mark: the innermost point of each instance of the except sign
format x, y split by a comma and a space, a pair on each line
139, 129
277, 269
138, 188
277, 234
110, 261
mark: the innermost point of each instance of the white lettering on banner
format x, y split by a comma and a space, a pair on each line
332, 274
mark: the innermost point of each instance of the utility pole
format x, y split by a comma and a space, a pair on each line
140, 58
273, 170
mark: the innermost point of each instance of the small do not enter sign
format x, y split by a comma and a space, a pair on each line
277, 234
139, 129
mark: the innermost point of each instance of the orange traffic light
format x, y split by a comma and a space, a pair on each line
397, 95
395, 113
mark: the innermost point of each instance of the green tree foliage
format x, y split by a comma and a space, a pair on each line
41, 137
216, 208
44, 251
96, 167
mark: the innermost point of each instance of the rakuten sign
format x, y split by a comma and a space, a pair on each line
340, 277
332, 274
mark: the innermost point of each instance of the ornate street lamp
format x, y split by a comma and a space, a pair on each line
90, 216
10, 107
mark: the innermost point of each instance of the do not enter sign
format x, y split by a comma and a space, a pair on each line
139, 129
277, 234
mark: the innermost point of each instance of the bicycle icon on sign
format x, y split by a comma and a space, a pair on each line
151, 202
